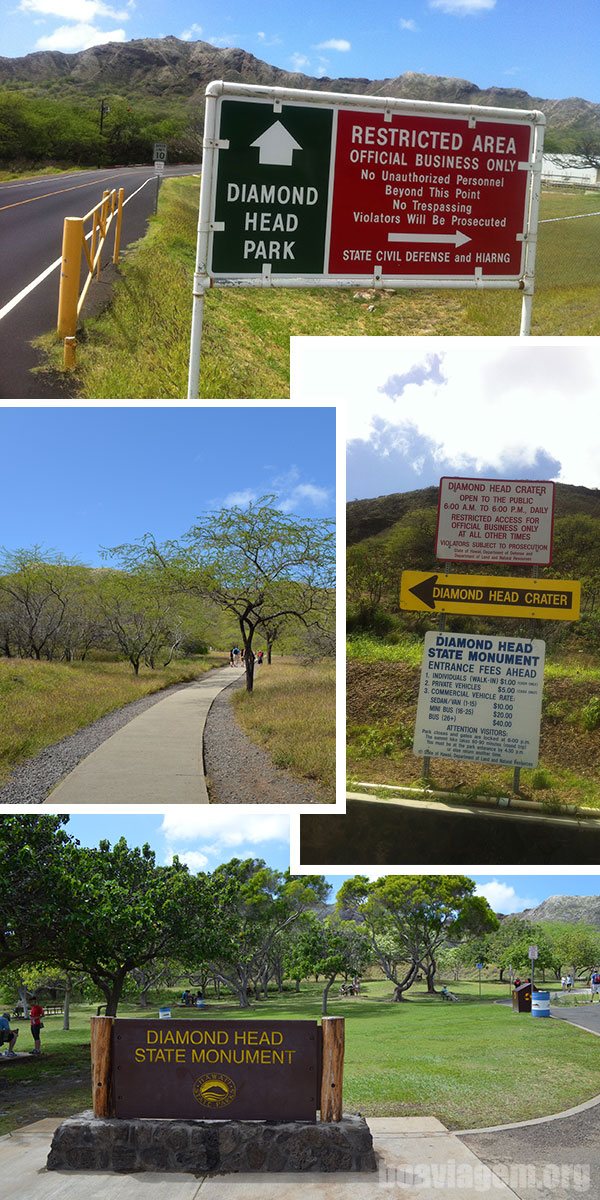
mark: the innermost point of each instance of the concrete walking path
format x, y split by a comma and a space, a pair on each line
156, 758
419, 1159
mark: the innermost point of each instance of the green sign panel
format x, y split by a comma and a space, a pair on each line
271, 189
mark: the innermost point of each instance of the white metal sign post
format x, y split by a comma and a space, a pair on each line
319, 189
480, 699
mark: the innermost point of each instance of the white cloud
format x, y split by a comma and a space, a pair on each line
299, 61
217, 832
194, 859
317, 496
341, 44
189, 35
71, 38
500, 398
80, 11
462, 8
240, 499
408, 24
224, 40
269, 39
502, 897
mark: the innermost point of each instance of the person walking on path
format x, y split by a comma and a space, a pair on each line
595, 985
8, 1035
36, 1013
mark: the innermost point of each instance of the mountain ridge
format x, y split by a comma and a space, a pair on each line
172, 67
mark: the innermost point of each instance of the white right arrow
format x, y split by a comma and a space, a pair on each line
452, 239
276, 146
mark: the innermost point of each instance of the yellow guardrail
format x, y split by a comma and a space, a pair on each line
74, 248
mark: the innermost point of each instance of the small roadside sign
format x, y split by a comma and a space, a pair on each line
490, 595
480, 700
533, 953
159, 167
495, 520
159, 154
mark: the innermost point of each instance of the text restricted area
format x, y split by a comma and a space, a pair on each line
495, 520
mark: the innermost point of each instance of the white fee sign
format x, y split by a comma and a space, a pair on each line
495, 520
480, 699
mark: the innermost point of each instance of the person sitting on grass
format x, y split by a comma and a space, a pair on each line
8, 1035
447, 995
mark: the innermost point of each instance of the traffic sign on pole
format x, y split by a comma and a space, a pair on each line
495, 520
159, 154
304, 189
479, 700
490, 595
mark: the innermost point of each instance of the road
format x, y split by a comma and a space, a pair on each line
414, 833
31, 221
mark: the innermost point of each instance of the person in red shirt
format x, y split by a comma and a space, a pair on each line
36, 1013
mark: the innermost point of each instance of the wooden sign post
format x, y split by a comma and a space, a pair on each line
332, 1073
102, 1071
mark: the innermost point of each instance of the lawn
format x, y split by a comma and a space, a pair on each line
469, 1064
140, 345
291, 713
42, 702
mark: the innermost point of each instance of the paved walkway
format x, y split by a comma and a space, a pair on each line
419, 1160
156, 758
587, 1016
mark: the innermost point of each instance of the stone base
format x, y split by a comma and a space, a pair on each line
86, 1143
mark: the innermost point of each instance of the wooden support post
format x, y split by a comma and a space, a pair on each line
101, 1052
332, 1076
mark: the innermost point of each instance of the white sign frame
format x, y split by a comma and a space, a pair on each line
463, 717
204, 278
450, 547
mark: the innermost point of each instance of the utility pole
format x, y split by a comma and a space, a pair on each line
104, 110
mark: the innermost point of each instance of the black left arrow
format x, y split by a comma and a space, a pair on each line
424, 591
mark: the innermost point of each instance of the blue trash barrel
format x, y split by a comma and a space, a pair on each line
540, 1004
164, 1012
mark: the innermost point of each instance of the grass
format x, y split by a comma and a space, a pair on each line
468, 1064
291, 712
42, 702
139, 347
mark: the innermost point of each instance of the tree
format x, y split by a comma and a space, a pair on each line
127, 912
330, 948
256, 563
35, 886
408, 917
262, 906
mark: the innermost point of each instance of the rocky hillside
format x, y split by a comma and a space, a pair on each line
366, 518
169, 67
583, 910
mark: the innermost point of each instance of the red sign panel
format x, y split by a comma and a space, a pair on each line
429, 195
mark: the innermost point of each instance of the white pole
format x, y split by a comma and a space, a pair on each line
201, 277
532, 226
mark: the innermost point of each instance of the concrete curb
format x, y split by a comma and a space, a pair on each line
513, 803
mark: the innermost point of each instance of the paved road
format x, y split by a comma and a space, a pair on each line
155, 759
390, 833
31, 220
585, 1015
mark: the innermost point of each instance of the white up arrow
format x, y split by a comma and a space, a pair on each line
276, 146
452, 239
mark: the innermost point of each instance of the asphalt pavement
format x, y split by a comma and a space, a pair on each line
415, 832
31, 221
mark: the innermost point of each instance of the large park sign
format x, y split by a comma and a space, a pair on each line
243, 1070
305, 189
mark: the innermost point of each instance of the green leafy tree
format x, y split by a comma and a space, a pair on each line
329, 948
255, 563
35, 887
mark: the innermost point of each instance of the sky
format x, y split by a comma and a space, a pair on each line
545, 47
204, 839
418, 409
77, 479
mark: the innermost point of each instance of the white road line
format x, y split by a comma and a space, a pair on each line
8, 307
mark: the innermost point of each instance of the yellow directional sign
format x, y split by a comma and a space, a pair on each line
490, 595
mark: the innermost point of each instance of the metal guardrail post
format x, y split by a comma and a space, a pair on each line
70, 273
117, 249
